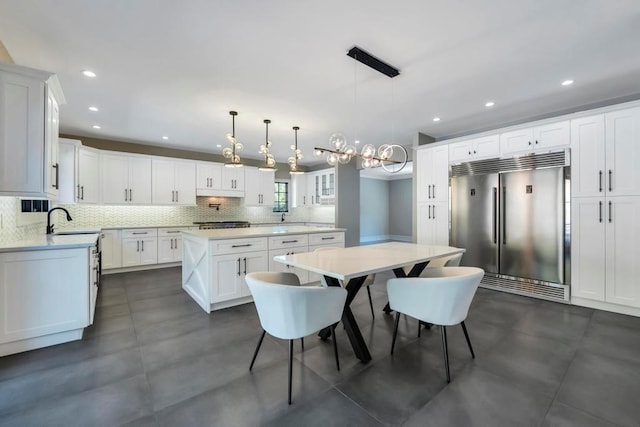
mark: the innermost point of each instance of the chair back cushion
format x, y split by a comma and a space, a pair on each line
291, 312
442, 299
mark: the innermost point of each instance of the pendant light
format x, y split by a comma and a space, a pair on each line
297, 155
269, 161
232, 153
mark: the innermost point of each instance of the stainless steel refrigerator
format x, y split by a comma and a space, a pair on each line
512, 217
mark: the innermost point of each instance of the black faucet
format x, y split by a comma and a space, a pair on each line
49, 225
282, 217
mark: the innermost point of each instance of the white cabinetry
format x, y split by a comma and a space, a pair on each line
300, 195
208, 178
79, 173
173, 182
537, 138
605, 218
323, 240
288, 245
170, 244
259, 187
233, 181
44, 298
139, 247
29, 102
432, 181
475, 149
433, 223
125, 179
111, 245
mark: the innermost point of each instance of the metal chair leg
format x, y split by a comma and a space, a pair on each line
302, 343
255, 353
445, 349
370, 302
419, 327
395, 332
290, 367
335, 346
466, 335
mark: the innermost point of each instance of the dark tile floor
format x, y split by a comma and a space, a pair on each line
153, 357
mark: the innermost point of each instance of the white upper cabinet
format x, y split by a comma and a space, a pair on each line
125, 179
299, 191
79, 173
622, 152
208, 178
475, 149
29, 101
432, 183
232, 182
605, 154
537, 138
173, 182
259, 187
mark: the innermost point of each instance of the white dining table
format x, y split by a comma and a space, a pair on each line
352, 266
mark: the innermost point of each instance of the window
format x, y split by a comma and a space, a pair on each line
281, 197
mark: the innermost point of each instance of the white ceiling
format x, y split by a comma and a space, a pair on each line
176, 68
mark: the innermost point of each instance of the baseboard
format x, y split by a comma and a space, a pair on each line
400, 238
40, 342
141, 268
600, 305
385, 237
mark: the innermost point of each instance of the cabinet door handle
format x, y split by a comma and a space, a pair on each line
142, 245
138, 246
241, 246
610, 211
429, 211
78, 192
82, 190
328, 238
289, 241
304, 200
57, 168
600, 181
529, 142
245, 266
125, 195
433, 191
171, 246
434, 211
238, 266
140, 232
173, 231
474, 152
311, 199
130, 195
600, 204
173, 196
610, 180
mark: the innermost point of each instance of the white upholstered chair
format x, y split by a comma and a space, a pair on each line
288, 311
367, 282
443, 300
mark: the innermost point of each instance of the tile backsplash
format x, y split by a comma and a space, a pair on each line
107, 215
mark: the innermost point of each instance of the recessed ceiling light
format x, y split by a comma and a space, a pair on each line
89, 73
436, 119
357, 141
567, 82
219, 145
93, 109
490, 104
95, 127
165, 137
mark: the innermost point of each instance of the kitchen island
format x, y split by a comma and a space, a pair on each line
215, 262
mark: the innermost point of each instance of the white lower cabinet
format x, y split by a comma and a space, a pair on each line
229, 272
288, 245
605, 251
45, 297
139, 247
170, 244
433, 223
111, 245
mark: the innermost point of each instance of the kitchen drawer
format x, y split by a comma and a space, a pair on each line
326, 238
288, 241
234, 246
171, 232
135, 233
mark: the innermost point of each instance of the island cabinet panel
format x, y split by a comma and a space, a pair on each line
42, 293
229, 273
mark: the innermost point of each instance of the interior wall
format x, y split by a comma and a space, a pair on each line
400, 208
374, 210
347, 209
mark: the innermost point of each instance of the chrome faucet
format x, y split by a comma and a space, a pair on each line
49, 225
282, 219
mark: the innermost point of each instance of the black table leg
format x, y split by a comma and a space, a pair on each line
351, 326
416, 270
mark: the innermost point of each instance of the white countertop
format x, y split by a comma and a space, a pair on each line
52, 241
235, 233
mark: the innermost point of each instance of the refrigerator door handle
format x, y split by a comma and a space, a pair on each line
504, 216
495, 215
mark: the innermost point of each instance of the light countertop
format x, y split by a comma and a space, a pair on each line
51, 241
237, 233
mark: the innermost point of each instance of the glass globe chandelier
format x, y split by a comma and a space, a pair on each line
269, 160
231, 153
297, 155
